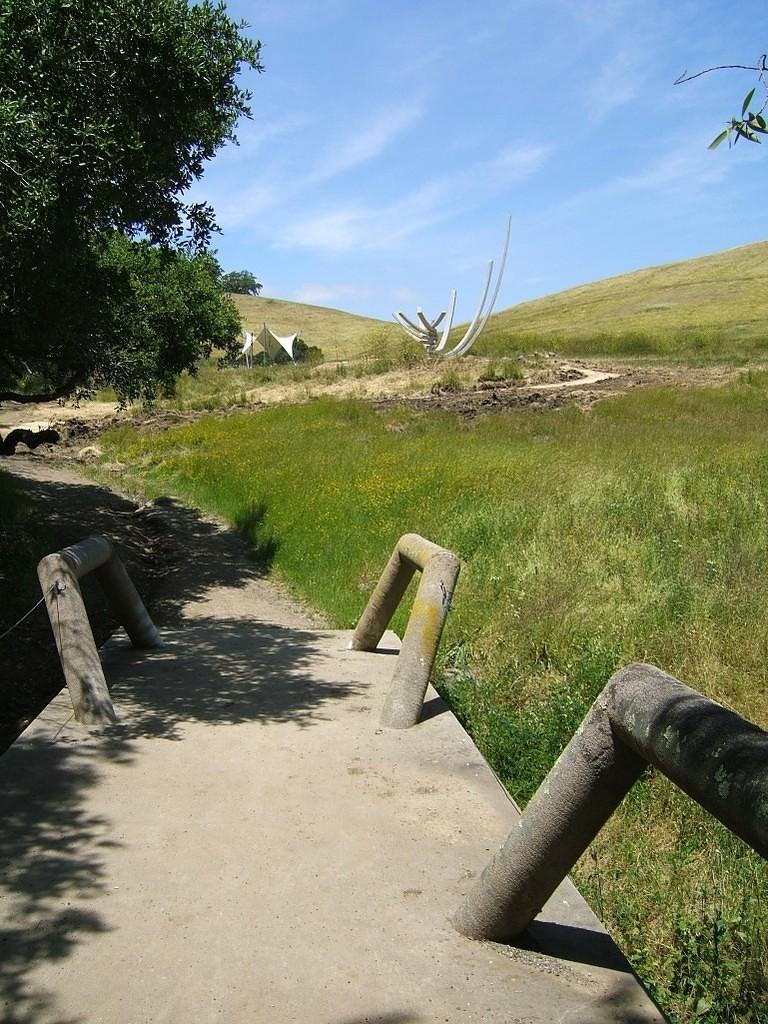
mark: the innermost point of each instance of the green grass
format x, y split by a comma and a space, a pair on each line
590, 539
709, 308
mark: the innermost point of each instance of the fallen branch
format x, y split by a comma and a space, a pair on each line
31, 438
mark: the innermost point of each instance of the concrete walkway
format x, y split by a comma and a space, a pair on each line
248, 845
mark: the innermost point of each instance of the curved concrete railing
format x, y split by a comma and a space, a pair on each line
440, 570
643, 716
58, 574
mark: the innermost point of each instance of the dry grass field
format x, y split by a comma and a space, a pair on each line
339, 335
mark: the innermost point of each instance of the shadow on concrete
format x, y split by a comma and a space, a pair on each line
220, 672
212, 671
386, 1018
432, 708
579, 945
169, 551
49, 847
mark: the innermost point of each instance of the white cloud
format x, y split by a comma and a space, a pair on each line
674, 170
365, 143
324, 293
516, 162
388, 225
620, 80
256, 183
253, 136
238, 207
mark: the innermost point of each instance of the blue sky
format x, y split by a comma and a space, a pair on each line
390, 141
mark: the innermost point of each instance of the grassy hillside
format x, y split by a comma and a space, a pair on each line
340, 335
707, 307
713, 307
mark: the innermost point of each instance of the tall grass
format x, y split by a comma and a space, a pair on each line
697, 345
634, 531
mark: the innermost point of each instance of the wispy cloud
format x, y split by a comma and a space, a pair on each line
325, 293
619, 81
238, 207
688, 169
365, 143
258, 183
253, 136
385, 226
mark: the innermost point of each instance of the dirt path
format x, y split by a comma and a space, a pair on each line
168, 550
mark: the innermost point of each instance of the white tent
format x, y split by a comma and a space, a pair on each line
274, 343
247, 350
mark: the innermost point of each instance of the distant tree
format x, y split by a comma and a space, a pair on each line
109, 110
242, 282
752, 123
302, 353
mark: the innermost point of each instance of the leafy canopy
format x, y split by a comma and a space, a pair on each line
241, 282
109, 110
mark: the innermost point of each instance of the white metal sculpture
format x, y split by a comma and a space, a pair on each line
426, 331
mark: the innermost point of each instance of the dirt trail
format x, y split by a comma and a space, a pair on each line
169, 551
546, 381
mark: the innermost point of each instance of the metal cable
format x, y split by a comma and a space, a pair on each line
54, 586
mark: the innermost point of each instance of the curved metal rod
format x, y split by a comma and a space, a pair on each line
479, 311
465, 344
413, 331
447, 329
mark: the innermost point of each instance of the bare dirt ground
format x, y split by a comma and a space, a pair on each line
546, 382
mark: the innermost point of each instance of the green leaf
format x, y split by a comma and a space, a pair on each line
745, 132
747, 101
716, 142
703, 1006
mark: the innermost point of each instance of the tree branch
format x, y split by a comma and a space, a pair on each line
685, 77
31, 438
49, 396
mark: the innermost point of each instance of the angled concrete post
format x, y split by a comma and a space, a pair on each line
59, 574
643, 716
440, 570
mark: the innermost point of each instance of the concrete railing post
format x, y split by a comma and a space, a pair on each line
59, 574
643, 716
440, 570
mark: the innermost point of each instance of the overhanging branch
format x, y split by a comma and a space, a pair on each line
42, 396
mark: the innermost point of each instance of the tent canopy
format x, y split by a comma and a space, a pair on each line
274, 343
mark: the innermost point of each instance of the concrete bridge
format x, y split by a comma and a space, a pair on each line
249, 844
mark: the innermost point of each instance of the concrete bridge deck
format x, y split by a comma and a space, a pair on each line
248, 845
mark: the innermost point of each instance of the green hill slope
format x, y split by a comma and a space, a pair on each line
340, 335
713, 305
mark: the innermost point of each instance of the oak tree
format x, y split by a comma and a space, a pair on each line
109, 110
